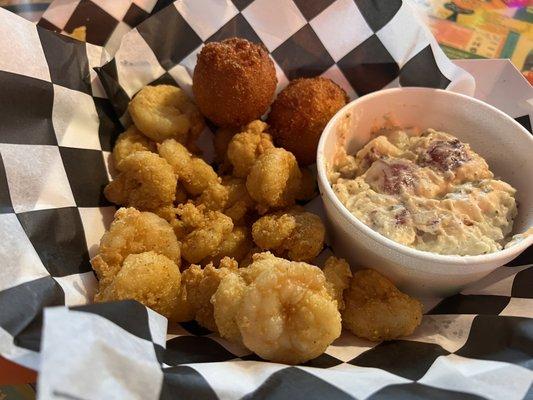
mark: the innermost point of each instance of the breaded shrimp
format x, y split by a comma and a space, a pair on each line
376, 310
239, 203
129, 142
308, 186
150, 278
200, 285
246, 147
226, 302
214, 197
146, 182
192, 172
274, 180
286, 314
338, 275
133, 232
293, 233
204, 231
236, 245
164, 111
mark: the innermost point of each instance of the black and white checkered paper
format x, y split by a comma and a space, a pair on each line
363, 45
57, 126
105, 21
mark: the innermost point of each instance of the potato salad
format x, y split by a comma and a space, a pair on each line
427, 190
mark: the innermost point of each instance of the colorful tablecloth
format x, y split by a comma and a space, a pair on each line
483, 29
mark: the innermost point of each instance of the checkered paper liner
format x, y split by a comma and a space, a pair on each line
57, 129
105, 21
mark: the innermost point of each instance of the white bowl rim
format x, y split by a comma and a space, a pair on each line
469, 260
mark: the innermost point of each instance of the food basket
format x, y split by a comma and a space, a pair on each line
63, 103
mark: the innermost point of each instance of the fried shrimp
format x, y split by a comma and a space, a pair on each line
129, 142
170, 214
300, 113
214, 197
164, 111
227, 299
239, 202
246, 147
200, 285
203, 231
274, 180
338, 275
293, 233
146, 182
236, 245
234, 82
193, 173
376, 310
150, 278
226, 302
133, 232
286, 314
202, 175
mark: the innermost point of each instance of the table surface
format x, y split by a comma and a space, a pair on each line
464, 29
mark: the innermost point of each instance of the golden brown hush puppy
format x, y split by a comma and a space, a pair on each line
234, 82
300, 113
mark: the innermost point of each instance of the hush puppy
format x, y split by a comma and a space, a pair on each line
233, 82
300, 113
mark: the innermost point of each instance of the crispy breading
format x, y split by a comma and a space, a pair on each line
133, 232
192, 172
164, 111
150, 278
285, 313
293, 233
274, 180
204, 231
376, 310
146, 182
239, 203
201, 284
300, 113
233, 81
338, 275
129, 142
246, 147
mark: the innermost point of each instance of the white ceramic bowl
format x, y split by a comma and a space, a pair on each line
505, 144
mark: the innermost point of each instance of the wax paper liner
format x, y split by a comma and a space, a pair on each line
57, 130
